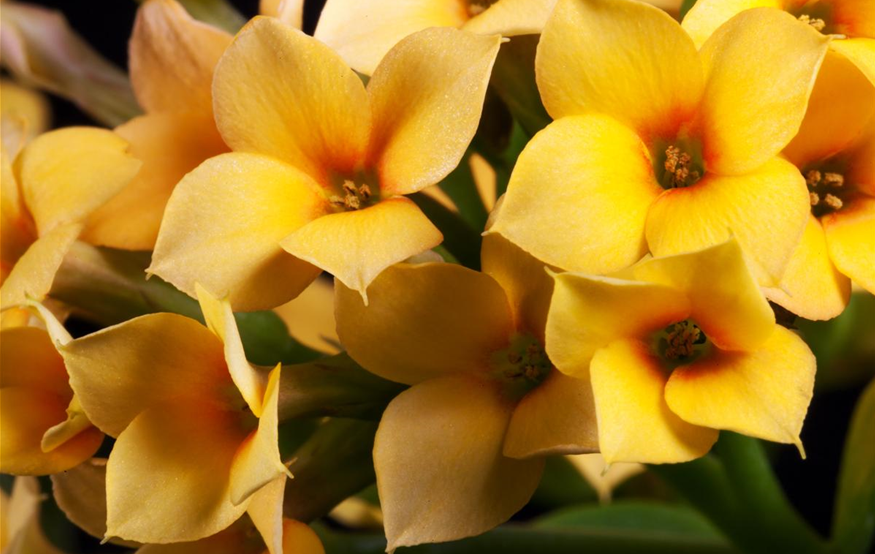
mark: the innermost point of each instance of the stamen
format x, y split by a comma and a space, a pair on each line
354, 196
814, 198
833, 201
677, 168
681, 340
817, 23
522, 366
825, 191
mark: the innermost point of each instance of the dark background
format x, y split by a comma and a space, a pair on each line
810, 484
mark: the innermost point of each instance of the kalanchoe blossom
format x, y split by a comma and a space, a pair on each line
43, 429
658, 147
850, 22
196, 426
172, 57
320, 164
835, 153
486, 404
55, 184
685, 348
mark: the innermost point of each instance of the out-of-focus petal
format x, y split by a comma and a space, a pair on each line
28, 105
593, 175
424, 321
635, 423
223, 225
34, 272
763, 392
707, 15
279, 92
511, 17
426, 99
310, 317
442, 440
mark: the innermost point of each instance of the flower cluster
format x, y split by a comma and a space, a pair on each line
664, 190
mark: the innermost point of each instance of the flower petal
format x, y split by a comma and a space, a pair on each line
266, 512
356, 246
236, 539
69, 173
524, 279
172, 57
363, 31
628, 60
169, 145
511, 18
310, 317
34, 272
223, 225
281, 93
122, 370
167, 479
831, 127
424, 321
426, 99
557, 417
812, 287
763, 393
724, 298
594, 176
440, 471
29, 359
755, 97
635, 423
706, 16
850, 236
587, 313
765, 210
26, 413
299, 538
861, 51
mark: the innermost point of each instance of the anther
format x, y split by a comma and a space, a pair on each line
677, 168
814, 198
816, 23
833, 201
835, 180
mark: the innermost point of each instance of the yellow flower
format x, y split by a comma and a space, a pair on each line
835, 153
688, 347
172, 57
320, 164
196, 426
462, 450
658, 147
58, 180
43, 429
850, 22
363, 31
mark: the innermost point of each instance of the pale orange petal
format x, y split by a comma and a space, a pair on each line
34, 272
850, 237
707, 15
511, 18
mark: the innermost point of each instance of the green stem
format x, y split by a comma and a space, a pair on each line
460, 239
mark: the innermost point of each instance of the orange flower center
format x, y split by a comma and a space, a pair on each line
681, 343
522, 366
826, 191
817, 14
354, 194
679, 165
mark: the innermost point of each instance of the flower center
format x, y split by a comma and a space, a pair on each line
816, 22
679, 165
681, 343
826, 190
817, 14
354, 196
522, 366
476, 7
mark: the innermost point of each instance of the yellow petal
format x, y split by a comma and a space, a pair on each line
603, 478
850, 236
26, 413
169, 145
557, 417
587, 313
122, 370
29, 105
69, 173
167, 479
763, 392
592, 174
299, 538
172, 58
81, 494
861, 51
424, 321
29, 359
511, 18
266, 512
628, 60
363, 31
635, 424
310, 317
223, 225
290, 12
829, 126
706, 16
282, 93
765, 210
812, 287
426, 100
755, 97
34, 272
524, 279
356, 246
724, 298
440, 471
257, 461
220, 320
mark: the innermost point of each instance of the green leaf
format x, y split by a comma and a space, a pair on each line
633, 516
267, 342
854, 523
